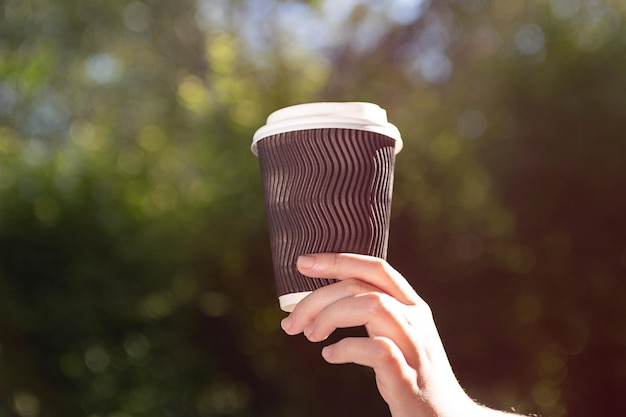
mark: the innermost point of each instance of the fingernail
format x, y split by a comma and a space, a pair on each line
306, 261
327, 351
286, 323
308, 330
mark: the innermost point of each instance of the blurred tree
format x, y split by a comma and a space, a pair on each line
512, 177
134, 263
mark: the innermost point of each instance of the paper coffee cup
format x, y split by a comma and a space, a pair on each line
327, 172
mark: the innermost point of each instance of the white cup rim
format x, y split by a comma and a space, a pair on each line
340, 115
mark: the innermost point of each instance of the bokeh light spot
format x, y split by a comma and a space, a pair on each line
508, 10
138, 401
552, 363
406, 11
198, 193
435, 37
137, 16
527, 309
445, 147
245, 113
46, 210
137, 347
546, 393
221, 54
152, 138
157, 306
214, 304
472, 124
474, 188
466, 247
36, 153
97, 359
520, 259
26, 404
192, 94
7, 177
85, 134
165, 197
529, 39
595, 30
564, 9
223, 398
8, 140
130, 161
185, 287
435, 67
16, 11
72, 364
103, 68
471, 6
266, 319
8, 99
501, 222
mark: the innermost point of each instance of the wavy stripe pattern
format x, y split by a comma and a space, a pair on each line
326, 190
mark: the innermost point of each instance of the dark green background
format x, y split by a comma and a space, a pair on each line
135, 277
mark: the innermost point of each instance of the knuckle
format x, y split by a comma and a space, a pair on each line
376, 303
355, 286
380, 266
383, 351
424, 309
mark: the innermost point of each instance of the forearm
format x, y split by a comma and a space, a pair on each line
483, 411
403, 347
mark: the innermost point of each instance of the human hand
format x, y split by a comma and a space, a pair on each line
413, 373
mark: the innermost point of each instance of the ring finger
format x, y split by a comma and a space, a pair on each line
307, 310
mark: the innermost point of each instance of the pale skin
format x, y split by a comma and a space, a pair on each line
404, 349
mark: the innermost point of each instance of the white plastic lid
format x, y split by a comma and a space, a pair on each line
288, 301
348, 115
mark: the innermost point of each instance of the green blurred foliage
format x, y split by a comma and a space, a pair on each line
134, 262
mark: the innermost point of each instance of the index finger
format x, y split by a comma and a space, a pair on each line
372, 270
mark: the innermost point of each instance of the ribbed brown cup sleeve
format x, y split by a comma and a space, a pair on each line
326, 190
